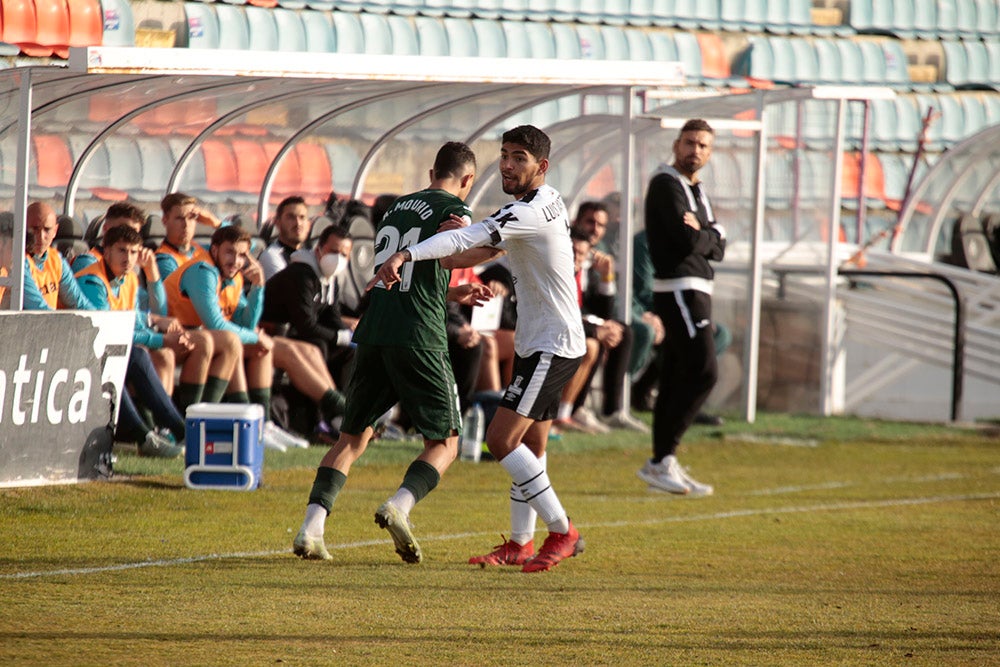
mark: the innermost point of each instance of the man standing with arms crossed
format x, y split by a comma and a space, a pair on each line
548, 339
683, 237
402, 356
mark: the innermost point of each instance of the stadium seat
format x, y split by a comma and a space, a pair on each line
800, 17
663, 47
974, 112
264, 4
953, 129
925, 20
639, 48
125, 162
828, 58
956, 68
993, 53
288, 180
251, 164
567, 42
202, 26
977, 60
908, 122
433, 37
715, 66
460, 36
377, 34
403, 36
345, 163
783, 56
896, 173
541, 39
806, 62
883, 125
53, 158
348, 32
491, 40
291, 33
234, 30
861, 16
319, 32
852, 65
988, 13
966, 18
157, 164
19, 22
69, 238
776, 16
946, 20
263, 29
591, 42
873, 66
220, 166
489, 10
757, 59
317, 175
52, 28
689, 53
662, 12
897, 73
935, 133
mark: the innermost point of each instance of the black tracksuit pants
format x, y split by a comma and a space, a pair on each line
688, 370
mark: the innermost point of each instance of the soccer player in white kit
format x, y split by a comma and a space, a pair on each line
548, 340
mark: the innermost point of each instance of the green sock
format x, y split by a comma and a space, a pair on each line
214, 389
331, 404
187, 394
261, 396
420, 479
236, 397
326, 487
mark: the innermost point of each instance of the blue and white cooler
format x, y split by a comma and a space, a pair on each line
223, 447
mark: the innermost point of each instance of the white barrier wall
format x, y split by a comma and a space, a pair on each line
61, 376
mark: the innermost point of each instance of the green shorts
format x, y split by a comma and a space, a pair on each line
421, 381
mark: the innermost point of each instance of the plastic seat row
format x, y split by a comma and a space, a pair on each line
927, 19
42, 28
782, 16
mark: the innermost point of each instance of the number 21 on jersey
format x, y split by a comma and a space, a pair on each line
388, 242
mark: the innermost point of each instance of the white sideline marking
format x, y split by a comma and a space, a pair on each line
862, 504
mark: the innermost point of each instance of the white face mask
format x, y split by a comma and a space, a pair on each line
332, 265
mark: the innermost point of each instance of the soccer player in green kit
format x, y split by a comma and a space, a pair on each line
402, 356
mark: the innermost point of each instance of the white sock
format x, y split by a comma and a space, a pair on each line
530, 477
404, 500
522, 515
315, 520
565, 411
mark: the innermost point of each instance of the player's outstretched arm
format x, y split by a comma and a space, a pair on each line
388, 273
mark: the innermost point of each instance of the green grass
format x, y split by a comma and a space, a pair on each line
829, 541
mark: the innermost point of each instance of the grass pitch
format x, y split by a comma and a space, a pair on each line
829, 541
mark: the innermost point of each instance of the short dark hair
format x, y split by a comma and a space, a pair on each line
230, 234
333, 230
175, 199
579, 235
126, 209
453, 159
534, 140
588, 206
122, 233
294, 200
697, 125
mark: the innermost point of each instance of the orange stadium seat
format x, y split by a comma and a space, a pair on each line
86, 25
54, 160
288, 180
317, 175
52, 27
251, 165
19, 23
220, 166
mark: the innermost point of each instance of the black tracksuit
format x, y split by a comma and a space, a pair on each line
682, 299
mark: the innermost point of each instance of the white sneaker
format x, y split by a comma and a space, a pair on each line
667, 475
159, 446
622, 419
696, 488
588, 420
275, 434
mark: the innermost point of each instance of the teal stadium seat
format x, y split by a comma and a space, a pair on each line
851, 61
977, 60
686, 14
663, 47
263, 29
991, 103
403, 36
925, 20
783, 57
974, 112
491, 40
291, 31
988, 13
908, 122
567, 42
935, 133
592, 45
757, 60
432, 38
377, 34
119, 25
800, 17
883, 125
157, 164
542, 41
202, 26
616, 45
993, 53
319, 32
662, 12
966, 18
953, 128
349, 36
902, 18
637, 12
234, 31
946, 20
956, 67
639, 48
873, 61
806, 61
481, 9
689, 53
461, 37
861, 15
897, 73
776, 17
828, 57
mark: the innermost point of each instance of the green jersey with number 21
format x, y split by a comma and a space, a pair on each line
411, 314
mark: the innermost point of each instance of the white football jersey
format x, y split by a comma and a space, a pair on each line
534, 231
